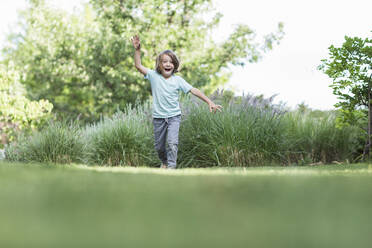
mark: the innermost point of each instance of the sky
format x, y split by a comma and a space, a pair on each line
290, 69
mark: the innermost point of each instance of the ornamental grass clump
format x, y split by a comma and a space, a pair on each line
124, 139
58, 142
247, 132
310, 139
250, 131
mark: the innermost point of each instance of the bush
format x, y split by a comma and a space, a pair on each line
249, 131
58, 143
17, 113
124, 139
310, 139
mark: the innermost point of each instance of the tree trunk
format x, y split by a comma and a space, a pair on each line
369, 116
367, 148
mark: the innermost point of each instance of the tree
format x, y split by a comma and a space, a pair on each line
16, 111
51, 52
83, 62
350, 67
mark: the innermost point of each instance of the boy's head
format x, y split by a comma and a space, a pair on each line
167, 63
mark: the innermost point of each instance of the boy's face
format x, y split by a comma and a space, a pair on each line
166, 66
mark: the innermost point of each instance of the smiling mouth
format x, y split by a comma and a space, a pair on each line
167, 69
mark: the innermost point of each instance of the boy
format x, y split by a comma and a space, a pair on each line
165, 88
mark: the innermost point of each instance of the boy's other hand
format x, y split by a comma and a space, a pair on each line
136, 42
213, 107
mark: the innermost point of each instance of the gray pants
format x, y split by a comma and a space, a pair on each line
166, 131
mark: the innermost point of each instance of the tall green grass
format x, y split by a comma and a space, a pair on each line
249, 131
58, 142
124, 139
310, 139
254, 131
235, 137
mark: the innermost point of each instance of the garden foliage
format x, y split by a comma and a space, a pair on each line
17, 112
249, 131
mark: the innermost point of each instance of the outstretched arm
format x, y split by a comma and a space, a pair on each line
212, 107
137, 55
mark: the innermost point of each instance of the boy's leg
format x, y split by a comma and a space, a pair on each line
173, 129
160, 133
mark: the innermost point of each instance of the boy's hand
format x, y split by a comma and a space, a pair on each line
213, 107
136, 42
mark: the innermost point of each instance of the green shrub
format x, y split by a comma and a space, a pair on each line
247, 132
58, 142
17, 113
254, 131
310, 139
124, 139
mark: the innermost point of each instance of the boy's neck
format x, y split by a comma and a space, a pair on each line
167, 77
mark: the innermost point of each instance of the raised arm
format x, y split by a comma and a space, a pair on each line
137, 55
212, 107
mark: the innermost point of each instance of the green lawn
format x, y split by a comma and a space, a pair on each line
78, 206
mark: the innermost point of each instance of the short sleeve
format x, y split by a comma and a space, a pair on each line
149, 75
184, 86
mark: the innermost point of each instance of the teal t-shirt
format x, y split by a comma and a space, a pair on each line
165, 94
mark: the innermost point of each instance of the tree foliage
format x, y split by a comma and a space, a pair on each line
83, 62
350, 67
16, 111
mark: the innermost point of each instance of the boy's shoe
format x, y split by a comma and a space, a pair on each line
163, 166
